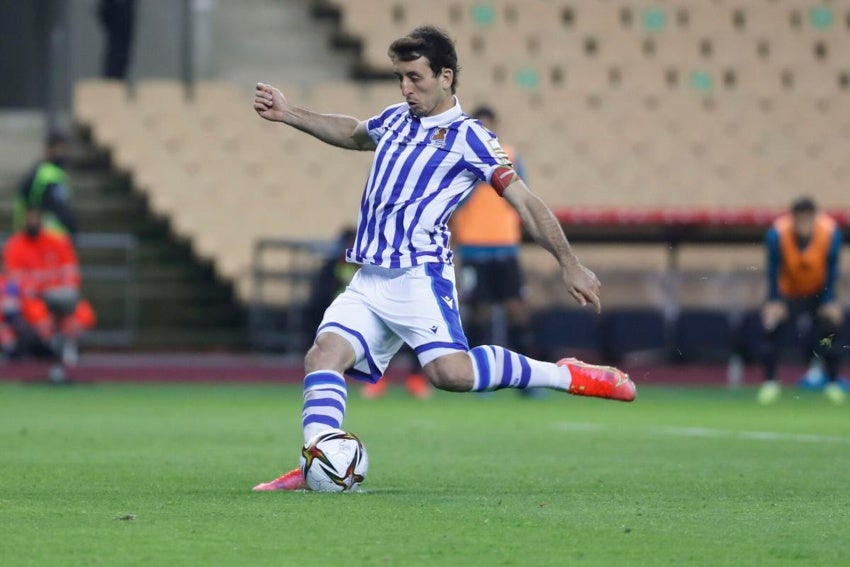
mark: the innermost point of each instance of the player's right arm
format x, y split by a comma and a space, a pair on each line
334, 129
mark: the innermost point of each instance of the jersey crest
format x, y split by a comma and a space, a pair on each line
438, 138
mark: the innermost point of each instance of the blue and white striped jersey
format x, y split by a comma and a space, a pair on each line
423, 168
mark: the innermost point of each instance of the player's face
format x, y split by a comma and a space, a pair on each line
33, 222
58, 154
425, 93
804, 224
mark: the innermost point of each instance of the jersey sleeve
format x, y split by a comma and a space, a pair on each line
482, 152
377, 125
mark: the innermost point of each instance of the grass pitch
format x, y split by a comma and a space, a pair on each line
161, 475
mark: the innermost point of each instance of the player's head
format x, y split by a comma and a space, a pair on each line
425, 63
803, 212
347, 237
32, 222
487, 116
56, 148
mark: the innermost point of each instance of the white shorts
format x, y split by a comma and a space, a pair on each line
383, 307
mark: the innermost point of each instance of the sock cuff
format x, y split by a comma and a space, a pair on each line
327, 379
481, 368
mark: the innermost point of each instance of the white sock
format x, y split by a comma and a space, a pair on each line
325, 395
496, 367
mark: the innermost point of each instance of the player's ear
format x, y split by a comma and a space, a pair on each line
446, 78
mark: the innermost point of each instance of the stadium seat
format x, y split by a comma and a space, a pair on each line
702, 334
634, 334
563, 332
626, 104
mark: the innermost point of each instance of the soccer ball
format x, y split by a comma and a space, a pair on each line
334, 461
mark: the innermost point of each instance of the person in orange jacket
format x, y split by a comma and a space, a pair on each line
10, 309
803, 250
487, 232
43, 267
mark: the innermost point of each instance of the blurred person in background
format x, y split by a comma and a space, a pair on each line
330, 280
803, 250
10, 313
117, 18
43, 268
45, 187
487, 233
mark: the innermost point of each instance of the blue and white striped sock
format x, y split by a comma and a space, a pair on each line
496, 368
324, 402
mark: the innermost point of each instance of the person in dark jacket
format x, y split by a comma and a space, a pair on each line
45, 187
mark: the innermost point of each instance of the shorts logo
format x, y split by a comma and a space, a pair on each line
449, 301
434, 329
438, 138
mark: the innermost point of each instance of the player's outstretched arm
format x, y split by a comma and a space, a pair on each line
335, 129
538, 219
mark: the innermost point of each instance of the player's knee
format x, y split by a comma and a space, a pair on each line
319, 358
329, 352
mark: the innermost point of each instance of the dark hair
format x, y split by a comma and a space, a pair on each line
55, 138
484, 112
803, 205
432, 43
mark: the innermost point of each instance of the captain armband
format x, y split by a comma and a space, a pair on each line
503, 176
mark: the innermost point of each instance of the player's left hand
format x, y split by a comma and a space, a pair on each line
583, 285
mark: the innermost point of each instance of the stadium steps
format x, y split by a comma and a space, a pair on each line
182, 305
277, 41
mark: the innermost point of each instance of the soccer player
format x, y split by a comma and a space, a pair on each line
428, 157
803, 248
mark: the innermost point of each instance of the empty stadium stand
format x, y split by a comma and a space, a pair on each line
621, 105
181, 304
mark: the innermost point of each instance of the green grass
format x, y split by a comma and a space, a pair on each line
673, 479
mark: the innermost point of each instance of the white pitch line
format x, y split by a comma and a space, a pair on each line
707, 432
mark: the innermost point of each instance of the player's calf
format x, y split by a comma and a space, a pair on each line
451, 372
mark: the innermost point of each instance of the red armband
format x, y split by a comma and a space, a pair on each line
502, 178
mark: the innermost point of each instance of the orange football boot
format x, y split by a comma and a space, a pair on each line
374, 390
293, 480
418, 386
598, 381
